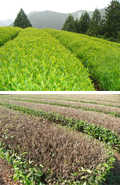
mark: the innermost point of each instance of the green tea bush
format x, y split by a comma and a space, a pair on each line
102, 58
35, 61
8, 33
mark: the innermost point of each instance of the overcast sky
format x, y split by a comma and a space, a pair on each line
10, 8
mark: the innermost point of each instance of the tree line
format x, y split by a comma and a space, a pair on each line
107, 28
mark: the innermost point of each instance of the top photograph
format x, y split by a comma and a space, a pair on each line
60, 45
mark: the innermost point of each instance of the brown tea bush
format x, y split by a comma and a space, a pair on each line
61, 151
91, 117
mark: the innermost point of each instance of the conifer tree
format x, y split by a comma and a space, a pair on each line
69, 24
94, 27
22, 20
76, 26
112, 20
84, 23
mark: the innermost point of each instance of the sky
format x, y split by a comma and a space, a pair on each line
10, 8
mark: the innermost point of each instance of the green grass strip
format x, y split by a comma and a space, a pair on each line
98, 132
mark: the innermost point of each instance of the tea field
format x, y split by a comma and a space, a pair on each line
61, 139
35, 61
52, 60
102, 58
8, 33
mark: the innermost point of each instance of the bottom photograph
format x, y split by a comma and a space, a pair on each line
60, 139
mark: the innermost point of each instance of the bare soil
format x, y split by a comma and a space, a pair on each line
107, 121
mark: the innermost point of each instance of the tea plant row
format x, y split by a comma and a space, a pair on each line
8, 33
114, 114
79, 101
28, 174
99, 56
32, 175
98, 132
37, 61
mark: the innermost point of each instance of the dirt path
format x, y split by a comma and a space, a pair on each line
5, 172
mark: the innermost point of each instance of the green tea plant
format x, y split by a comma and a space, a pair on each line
37, 61
23, 172
8, 33
99, 56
